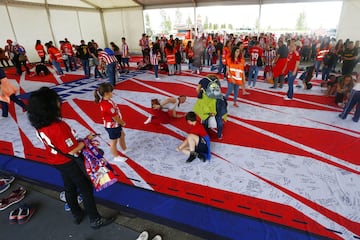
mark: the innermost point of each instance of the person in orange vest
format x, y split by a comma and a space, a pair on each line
40, 51
235, 73
225, 55
55, 57
170, 57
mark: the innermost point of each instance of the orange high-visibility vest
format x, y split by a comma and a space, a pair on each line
225, 55
40, 50
236, 70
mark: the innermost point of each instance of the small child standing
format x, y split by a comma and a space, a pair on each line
112, 119
7, 93
154, 59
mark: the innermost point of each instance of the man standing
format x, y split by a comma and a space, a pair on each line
293, 61
280, 64
256, 53
82, 52
110, 61
349, 56
145, 48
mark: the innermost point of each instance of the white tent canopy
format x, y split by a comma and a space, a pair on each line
104, 21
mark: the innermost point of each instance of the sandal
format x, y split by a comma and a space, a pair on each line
25, 213
14, 197
13, 216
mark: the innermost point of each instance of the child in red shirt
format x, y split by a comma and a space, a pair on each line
197, 142
112, 119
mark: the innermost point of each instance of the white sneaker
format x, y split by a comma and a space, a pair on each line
125, 151
119, 159
157, 78
286, 98
157, 237
148, 120
143, 236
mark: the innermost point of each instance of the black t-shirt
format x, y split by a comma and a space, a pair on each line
283, 51
219, 47
83, 52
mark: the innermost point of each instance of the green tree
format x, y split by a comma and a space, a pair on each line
301, 21
230, 26
165, 22
148, 29
216, 26
206, 23
210, 26
223, 26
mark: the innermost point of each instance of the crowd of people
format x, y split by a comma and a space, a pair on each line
236, 59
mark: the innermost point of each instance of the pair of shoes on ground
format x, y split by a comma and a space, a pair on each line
101, 222
66, 206
22, 214
287, 98
14, 197
145, 236
5, 183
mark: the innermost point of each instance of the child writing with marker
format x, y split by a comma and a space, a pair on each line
112, 119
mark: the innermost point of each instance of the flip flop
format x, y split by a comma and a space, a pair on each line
13, 216
25, 213
14, 197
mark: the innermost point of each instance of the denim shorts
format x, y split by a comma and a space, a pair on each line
114, 133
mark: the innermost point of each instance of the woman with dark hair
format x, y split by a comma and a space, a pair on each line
44, 113
235, 74
154, 59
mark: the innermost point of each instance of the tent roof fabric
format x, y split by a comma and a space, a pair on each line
148, 4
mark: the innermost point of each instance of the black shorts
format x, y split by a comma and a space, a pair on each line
114, 133
201, 147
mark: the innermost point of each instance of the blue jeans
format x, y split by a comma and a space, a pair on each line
5, 105
317, 65
86, 67
111, 72
219, 124
72, 63
57, 66
231, 87
253, 70
156, 70
354, 99
291, 79
325, 72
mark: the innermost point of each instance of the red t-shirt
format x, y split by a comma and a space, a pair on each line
60, 136
198, 130
292, 58
109, 110
255, 53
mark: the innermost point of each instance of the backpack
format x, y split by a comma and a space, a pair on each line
109, 51
213, 89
